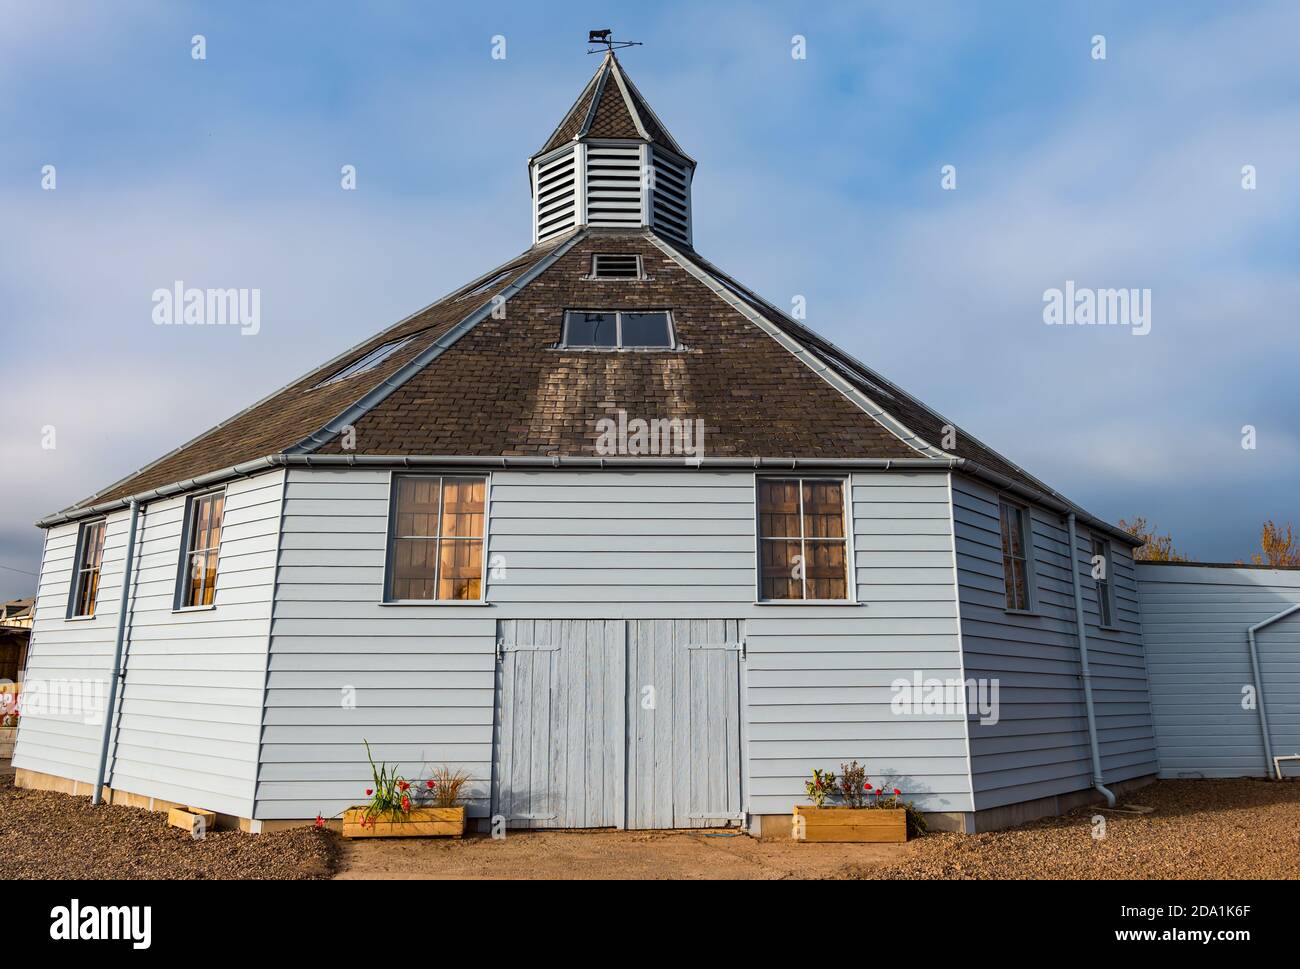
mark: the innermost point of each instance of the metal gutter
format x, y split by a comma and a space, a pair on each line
116, 674
1259, 684
248, 468
1081, 625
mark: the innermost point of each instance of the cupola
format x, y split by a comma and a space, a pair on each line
611, 163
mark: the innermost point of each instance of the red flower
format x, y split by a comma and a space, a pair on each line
320, 821
866, 787
429, 785
369, 791
404, 786
897, 791
406, 804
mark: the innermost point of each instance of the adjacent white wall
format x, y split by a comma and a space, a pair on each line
1194, 622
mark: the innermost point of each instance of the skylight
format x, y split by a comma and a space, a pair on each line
371, 360
487, 284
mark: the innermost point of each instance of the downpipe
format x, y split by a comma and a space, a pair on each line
116, 674
1086, 673
1269, 761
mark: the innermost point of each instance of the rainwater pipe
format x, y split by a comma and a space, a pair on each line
116, 674
1269, 762
1081, 625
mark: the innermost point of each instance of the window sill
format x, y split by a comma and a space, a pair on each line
195, 609
807, 602
439, 603
563, 348
79, 618
1023, 612
1110, 628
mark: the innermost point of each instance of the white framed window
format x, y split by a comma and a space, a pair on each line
618, 329
197, 585
615, 265
1102, 579
803, 539
436, 534
85, 574
1017, 556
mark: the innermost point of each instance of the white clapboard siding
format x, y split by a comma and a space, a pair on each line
1039, 746
606, 545
70, 658
190, 708
415, 681
1194, 623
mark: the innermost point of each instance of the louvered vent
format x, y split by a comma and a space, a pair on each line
609, 265
614, 185
556, 196
671, 198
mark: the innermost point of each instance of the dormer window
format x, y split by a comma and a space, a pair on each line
617, 329
610, 265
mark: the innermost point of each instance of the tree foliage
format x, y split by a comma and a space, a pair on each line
1155, 548
1278, 546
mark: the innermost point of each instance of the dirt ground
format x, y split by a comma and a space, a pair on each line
1217, 829
637, 855
48, 835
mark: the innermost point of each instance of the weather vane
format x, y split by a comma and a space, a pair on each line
604, 40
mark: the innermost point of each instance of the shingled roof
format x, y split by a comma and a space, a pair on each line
610, 106
482, 373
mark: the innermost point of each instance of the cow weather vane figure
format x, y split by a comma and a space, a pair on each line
601, 40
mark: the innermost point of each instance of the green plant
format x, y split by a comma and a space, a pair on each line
391, 796
820, 787
890, 799
853, 777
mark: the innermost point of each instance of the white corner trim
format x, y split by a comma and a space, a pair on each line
806, 356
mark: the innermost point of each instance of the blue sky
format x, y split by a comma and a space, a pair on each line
817, 178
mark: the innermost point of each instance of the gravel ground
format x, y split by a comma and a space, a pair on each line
49, 835
1216, 829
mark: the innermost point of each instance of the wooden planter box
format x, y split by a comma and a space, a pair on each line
865, 825
420, 823
184, 818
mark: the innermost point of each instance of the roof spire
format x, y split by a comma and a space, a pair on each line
610, 162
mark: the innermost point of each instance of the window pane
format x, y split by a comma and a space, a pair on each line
209, 567
825, 564
823, 509
779, 575
1017, 587
417, 506
462, 506
1011, 531
217, 504
414, 568
778, 508
590, 330
646, 330
461, 569
194, 581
